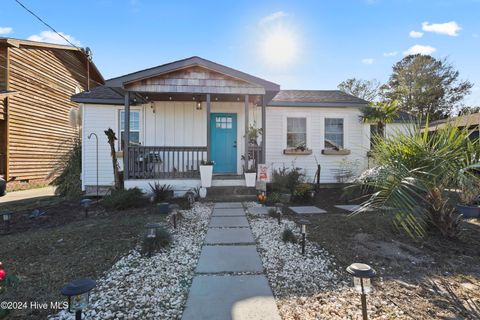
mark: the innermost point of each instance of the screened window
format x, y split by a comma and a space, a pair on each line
134, 127
334, 136
296, 132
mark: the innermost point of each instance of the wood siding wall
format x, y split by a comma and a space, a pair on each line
195, 80
39, 127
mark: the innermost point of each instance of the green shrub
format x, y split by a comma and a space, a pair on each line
161, 192
286, 179
124, 199
272, 213
288, 236
67, 172
273, 197
302, 190
161, 240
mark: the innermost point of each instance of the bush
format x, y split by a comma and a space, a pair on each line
67, 172
124, 199
416, 171
302, 190
272, 213
273, 197
161, 192
286, 179
289, 236
161, 240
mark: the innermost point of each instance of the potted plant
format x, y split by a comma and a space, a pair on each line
469, 205
206, 170
250, 176
254, 133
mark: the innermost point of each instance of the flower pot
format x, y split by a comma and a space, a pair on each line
469, 211
285, 197
250, 178
202, 192
206, 175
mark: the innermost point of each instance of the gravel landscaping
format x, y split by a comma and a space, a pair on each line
137, 287
310, 286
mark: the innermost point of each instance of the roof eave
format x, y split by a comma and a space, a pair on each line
316, 104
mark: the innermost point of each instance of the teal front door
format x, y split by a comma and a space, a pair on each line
224, 142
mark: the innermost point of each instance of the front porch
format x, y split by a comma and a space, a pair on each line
175, 119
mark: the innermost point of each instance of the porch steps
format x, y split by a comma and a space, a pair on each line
231, 193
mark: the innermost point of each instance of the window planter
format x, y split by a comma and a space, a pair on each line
297, 152
332, 152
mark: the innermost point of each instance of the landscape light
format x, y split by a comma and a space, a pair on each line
278, 210
151, 235
7, 217
362, 274
174, 210
86, 203
78, 294
303, 227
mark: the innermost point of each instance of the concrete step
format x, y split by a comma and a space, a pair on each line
231, 190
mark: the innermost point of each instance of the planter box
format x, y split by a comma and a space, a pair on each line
250, 179
296, 152
469, 211
331, 152
163, 208
206, 175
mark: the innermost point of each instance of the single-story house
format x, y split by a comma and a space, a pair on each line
471, 121
190, 110
37, 80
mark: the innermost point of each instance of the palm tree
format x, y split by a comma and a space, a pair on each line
380, 113
415, 175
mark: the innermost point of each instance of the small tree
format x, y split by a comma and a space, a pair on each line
380, 113
116, 168
416, 171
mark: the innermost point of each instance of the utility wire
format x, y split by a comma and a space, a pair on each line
49, 26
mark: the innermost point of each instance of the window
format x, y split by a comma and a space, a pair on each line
296, 132
134, 127
223, 122
334, 134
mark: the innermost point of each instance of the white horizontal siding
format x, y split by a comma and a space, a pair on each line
355, 139
166, 123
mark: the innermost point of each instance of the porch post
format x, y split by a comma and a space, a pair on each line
126, 137
247, 143
209, 127
264, 129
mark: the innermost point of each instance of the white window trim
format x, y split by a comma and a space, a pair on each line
308, 131
345, 130
141, 124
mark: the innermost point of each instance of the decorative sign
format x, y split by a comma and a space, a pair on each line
263, 173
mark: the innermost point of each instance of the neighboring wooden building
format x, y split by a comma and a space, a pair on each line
36, 82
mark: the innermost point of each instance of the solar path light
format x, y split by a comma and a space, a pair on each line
78, 294
362, 275
303, 228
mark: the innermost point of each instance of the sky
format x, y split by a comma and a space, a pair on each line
297, 44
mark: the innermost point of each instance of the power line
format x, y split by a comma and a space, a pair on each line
49, 26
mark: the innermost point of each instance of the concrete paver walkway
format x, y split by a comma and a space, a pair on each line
217, 292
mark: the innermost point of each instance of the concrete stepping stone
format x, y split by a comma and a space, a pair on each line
221, 259
223, 205
228, 212
228, 222
259, 210
307, 210
350, 207
229, 236
246, 297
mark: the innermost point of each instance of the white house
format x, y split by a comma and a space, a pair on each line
190, 110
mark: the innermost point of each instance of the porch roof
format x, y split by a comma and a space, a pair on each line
191, 76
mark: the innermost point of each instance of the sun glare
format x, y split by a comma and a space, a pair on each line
279, 47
